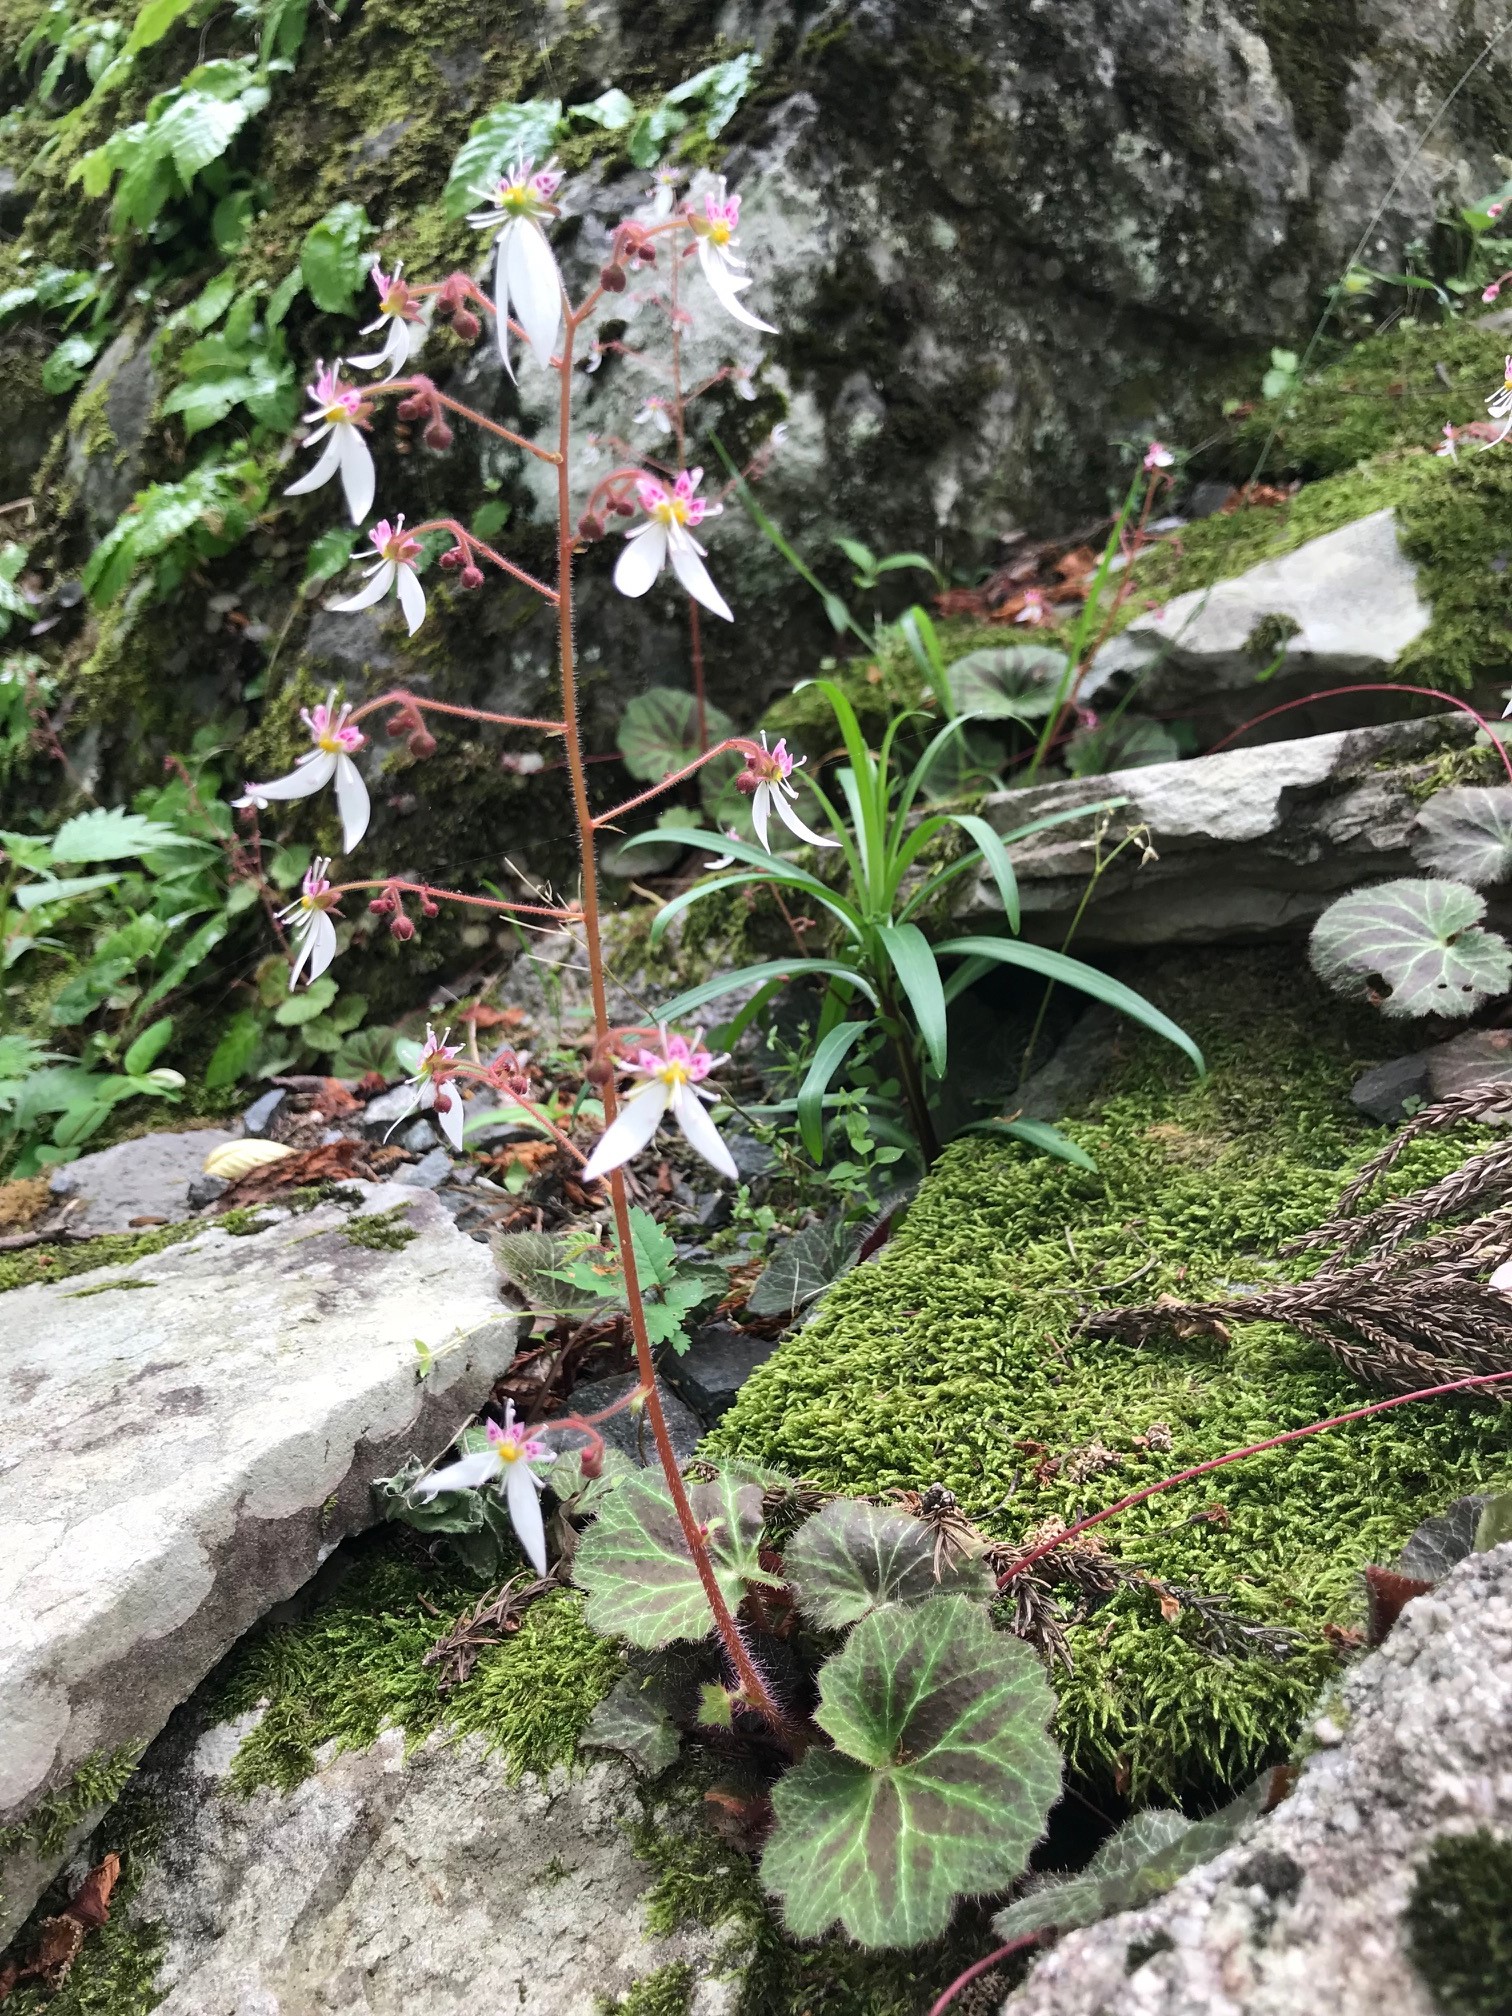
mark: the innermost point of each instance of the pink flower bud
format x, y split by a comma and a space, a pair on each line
1491, 292
454, 556
429, 907
467, 325
402, 929
422, 743
382, 903
591, 1460
591, 526
471, 577
623, 508
438, 435
747, 782
415, 407
646, 254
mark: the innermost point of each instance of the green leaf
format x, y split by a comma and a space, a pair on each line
232, 1056
283, 297
830, 1054
938, 1786
332, 261
154, 19
612, 110
804, 1266
148, 1047
1444, 1540
1495, 1524
658, 732
1074, 973
1411, 948
683, 1005
1009, 683
1038, 1134
851, 1558
36, 895
104, 835
1466, 833
304, 1007
67, 363
639, 1716
494, 143
995, 854
913, 961
634, 1565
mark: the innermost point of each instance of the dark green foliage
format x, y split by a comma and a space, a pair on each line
635, 1565
667, 1992
1458, 1923
851, 1558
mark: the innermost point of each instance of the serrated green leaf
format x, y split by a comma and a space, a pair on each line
232, 1056
612, 109
639, 1717
937, 1788
850, 1558
634, 1564
1411, 948
304, 1007
1466, 833
494, 143
332, 261
658, 732
111, 835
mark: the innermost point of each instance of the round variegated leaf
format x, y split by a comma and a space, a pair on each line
937, 1788
643, 1714
1467, 833
1013, 682
633, 1562
1412, 948
851, 1558
658, 732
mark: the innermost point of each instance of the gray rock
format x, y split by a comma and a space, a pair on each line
425, 1884
183, 1439
715, 1366
1383, 1090
1475, 1057
204, 1190
148, 1177
1073, 1073
1342, 607
1303, 1916
1250, 843
429, 1173
109, 473
629, 1433
258, 1118
419, 1137
387, 1110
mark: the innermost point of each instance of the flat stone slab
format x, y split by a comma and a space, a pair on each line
185, 1438
136, 1180
1251, 843
1350, 598
1304, 1915
428, 1885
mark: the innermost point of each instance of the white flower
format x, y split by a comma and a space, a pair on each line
310, 924
333, 743
1157, 456
395, 553
1499, 405
765, 780
403, 319
670, 1082
654, 414
727, 276
664, 185
665, 535
527, 281
434, 1091
338, 419
1448, 449
505, 1463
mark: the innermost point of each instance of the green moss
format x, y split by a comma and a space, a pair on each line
97, 1781
956, 1357
353, 1667
111, 1249
1459, 1923
382, 1231
667, 1992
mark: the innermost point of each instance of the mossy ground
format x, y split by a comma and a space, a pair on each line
1459, 1927
955, 1358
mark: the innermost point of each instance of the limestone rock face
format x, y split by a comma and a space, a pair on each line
429, 1886
185, 1438
1249, 844
1303, 1917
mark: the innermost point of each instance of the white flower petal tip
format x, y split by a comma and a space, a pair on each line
1501, 1280
527, 283
669, 1083
715, 231
522, 1496
310, 925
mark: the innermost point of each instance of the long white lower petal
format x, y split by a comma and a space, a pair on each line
700, 1133
451, 1121
638, 1120
352, 803
761, 804
727, 285
411, 597
304, 946
501, 294
694, 576
322, 943
326, 465
372, 590
535, 289
302, 782
642, 558
463, 1475
794, 824
358, 477
522, 1496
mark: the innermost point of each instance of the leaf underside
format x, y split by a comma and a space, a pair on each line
938, 1786
852, 1558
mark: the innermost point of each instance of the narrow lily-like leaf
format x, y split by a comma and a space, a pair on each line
749, 976
1039, 1134
995, 854
828, 1057
738, 850
1064, 818
913, 961
1075, 973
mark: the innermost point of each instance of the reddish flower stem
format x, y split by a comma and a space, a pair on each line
559, 915
741, 742
472, 544
982, 1967
1374, 686
400, 696
1235, 1456
411, 385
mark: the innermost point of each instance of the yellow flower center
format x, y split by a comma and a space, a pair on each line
720, 232
509, 1452
335, 413
674, 1074
328, 745
671, 511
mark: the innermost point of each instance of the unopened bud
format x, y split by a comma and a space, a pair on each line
746, 783
454, 556
591, 1460
600, 1072
429, 906
415, 407
467, 325
591, 526
402, 928
381, 904
646, 254
438, 434
613, 279
422, 743
623, 508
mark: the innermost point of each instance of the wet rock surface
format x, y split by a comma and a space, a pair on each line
136, 1183
185, 1437
1304, 1915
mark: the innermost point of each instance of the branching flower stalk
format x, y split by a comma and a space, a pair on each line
533, 307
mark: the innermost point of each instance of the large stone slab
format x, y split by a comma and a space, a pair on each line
1342, 607
1304, 1916
429, 1886
184, 1439
1249, 844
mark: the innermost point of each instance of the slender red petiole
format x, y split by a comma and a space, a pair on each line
560, 915
1374, 686
741, 742
982, 1967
